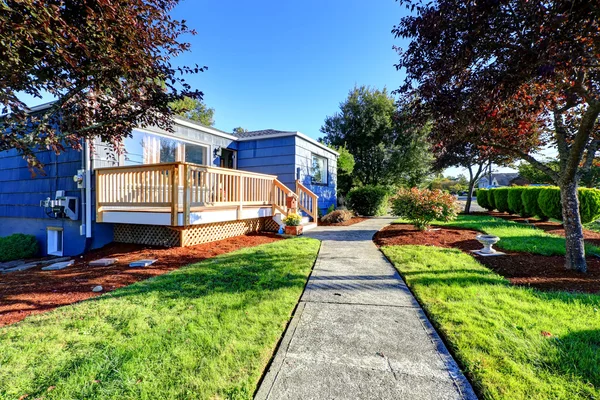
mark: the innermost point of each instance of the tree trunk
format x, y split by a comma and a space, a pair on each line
468, 203
575, 250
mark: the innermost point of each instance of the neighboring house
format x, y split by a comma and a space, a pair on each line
194, 185
501, 179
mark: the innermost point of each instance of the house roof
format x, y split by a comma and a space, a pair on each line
263, 132
505, 178
274, 133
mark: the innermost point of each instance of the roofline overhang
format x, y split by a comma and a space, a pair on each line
284, 134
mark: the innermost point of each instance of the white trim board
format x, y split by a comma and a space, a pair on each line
284, 134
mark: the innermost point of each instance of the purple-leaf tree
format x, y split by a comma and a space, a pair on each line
107, 63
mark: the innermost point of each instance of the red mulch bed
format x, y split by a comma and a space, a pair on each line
351, 221
35, 291
541, 272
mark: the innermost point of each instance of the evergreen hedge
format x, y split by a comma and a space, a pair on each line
501, 198
490, 199
543, 202
482, 199
529, 196
549, 202
515, 201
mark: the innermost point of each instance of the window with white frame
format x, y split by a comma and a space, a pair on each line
54, 243
319, 170
196, 154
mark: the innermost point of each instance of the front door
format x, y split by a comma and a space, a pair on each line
227, 159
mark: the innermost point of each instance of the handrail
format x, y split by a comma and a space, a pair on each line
307, 201
180, 187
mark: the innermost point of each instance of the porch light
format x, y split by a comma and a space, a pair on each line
217, 151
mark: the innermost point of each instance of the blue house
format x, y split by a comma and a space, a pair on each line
193, 185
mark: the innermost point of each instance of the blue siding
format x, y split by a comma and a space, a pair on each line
274, 156
290, 158
327, 193
21, 193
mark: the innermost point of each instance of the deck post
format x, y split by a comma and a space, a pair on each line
99, 188
175, 195
240, 197
186, 195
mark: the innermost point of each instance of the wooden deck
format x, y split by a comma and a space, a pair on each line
183, 194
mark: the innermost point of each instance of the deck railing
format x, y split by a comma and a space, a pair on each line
307, 201
184, 188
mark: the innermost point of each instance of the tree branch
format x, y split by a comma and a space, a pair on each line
532, 160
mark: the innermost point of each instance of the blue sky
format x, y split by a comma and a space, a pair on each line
288, 64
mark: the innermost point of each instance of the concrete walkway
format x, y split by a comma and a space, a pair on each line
358, 332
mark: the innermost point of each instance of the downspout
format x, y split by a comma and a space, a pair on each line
88, 196
82, 194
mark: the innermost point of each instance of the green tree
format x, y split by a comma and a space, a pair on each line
535, 175
194, 109
345, 167
239, 129
108, 64
386, 150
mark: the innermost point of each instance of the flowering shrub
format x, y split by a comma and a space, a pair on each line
421, 206
292, 220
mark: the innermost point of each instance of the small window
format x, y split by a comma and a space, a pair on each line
55, 241
196, 154
319, 170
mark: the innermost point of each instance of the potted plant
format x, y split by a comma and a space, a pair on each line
292, 224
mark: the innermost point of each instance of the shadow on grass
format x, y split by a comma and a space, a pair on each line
576, 352
224, 274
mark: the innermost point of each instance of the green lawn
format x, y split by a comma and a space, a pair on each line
514, 236
205, 331
593, 226
499, 332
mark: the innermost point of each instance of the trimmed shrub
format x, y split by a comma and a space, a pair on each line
368, 200
18, 246
515, 201
337, 216
549, 202
422, 206
529, 197
500, 198
482, 199
589, 205
490, 199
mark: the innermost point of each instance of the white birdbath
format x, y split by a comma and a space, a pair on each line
488, 241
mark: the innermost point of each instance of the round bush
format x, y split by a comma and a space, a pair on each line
490, 199
482, 199
549, 202
515, 201
18, 246
422, 206
368, 200
589, 205
501, 199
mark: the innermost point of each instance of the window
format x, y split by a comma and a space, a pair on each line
319, 170
195, 154
168, 150
54, 245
